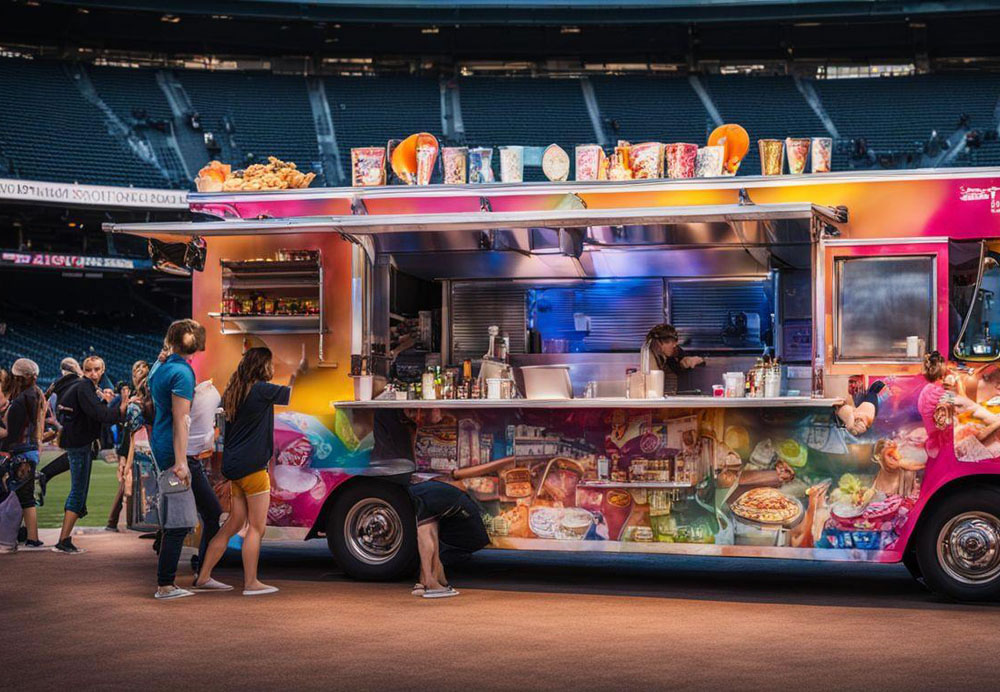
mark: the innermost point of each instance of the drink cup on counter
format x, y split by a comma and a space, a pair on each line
797, 151
511, 164
718, 390
363, 387
735, 383
455, 161
771, 155
822, 152
708, 162
481, 165
654, 384
681, 159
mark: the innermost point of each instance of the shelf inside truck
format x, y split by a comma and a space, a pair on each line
268, 324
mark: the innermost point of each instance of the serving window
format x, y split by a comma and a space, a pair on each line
885, 307
979, 337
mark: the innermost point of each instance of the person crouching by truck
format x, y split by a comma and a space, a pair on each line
445, 515
449, 522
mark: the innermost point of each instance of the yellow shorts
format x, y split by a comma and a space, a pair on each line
257, 483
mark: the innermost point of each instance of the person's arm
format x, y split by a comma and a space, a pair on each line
93, 406
303, 366
687, 361
180, 408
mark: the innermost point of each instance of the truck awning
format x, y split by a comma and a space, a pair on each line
380, 224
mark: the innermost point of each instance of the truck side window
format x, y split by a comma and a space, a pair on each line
980, 336
880, 303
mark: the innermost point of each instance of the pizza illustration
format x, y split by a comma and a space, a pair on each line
767, 506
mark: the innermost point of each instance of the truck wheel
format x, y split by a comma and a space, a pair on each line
958, 549
372, 531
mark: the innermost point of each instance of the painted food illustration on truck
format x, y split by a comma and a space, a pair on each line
770, 479
767, 506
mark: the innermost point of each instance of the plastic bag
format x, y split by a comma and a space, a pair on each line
10, 521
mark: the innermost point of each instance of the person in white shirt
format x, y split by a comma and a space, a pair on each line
201, 444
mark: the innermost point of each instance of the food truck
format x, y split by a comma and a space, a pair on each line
491, 334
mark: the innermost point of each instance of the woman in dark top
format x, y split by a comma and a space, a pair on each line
249, 402
24, 420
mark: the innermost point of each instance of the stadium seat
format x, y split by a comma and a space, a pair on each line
50, 132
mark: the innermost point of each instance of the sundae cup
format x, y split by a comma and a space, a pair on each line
708, 162
589, 161
680, 160
511, 164
822, 149
771, 151
797, 151
481, 165
455, 160
646, 160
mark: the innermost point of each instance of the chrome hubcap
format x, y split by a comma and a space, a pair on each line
373, 531
969, 547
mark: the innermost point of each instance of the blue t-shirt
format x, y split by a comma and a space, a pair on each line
173, 376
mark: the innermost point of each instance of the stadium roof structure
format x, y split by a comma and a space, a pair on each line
545, 11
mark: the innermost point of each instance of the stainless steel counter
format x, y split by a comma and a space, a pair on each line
669, 402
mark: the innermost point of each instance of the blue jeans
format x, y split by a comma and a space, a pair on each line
80, 460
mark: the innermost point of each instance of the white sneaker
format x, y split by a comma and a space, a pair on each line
174, 592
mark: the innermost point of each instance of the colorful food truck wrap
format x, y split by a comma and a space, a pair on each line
311, 458
786, 481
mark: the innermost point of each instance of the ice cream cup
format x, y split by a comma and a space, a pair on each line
512, 164
708, 162
822, 150
797, 151
681, 159
771, 154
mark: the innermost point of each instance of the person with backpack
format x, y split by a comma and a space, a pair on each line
249, 402
84, 410
23, 423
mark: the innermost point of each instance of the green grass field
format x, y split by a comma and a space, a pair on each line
103, 488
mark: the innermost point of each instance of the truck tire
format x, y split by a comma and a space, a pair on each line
372, 531
958, 549
911, 564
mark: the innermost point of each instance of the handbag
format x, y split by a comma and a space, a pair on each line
176, 505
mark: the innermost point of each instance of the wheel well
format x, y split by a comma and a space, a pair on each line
950, 489
318, 529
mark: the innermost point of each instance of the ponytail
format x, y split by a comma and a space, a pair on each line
934, 366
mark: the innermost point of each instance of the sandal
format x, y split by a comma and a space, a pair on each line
419, 589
